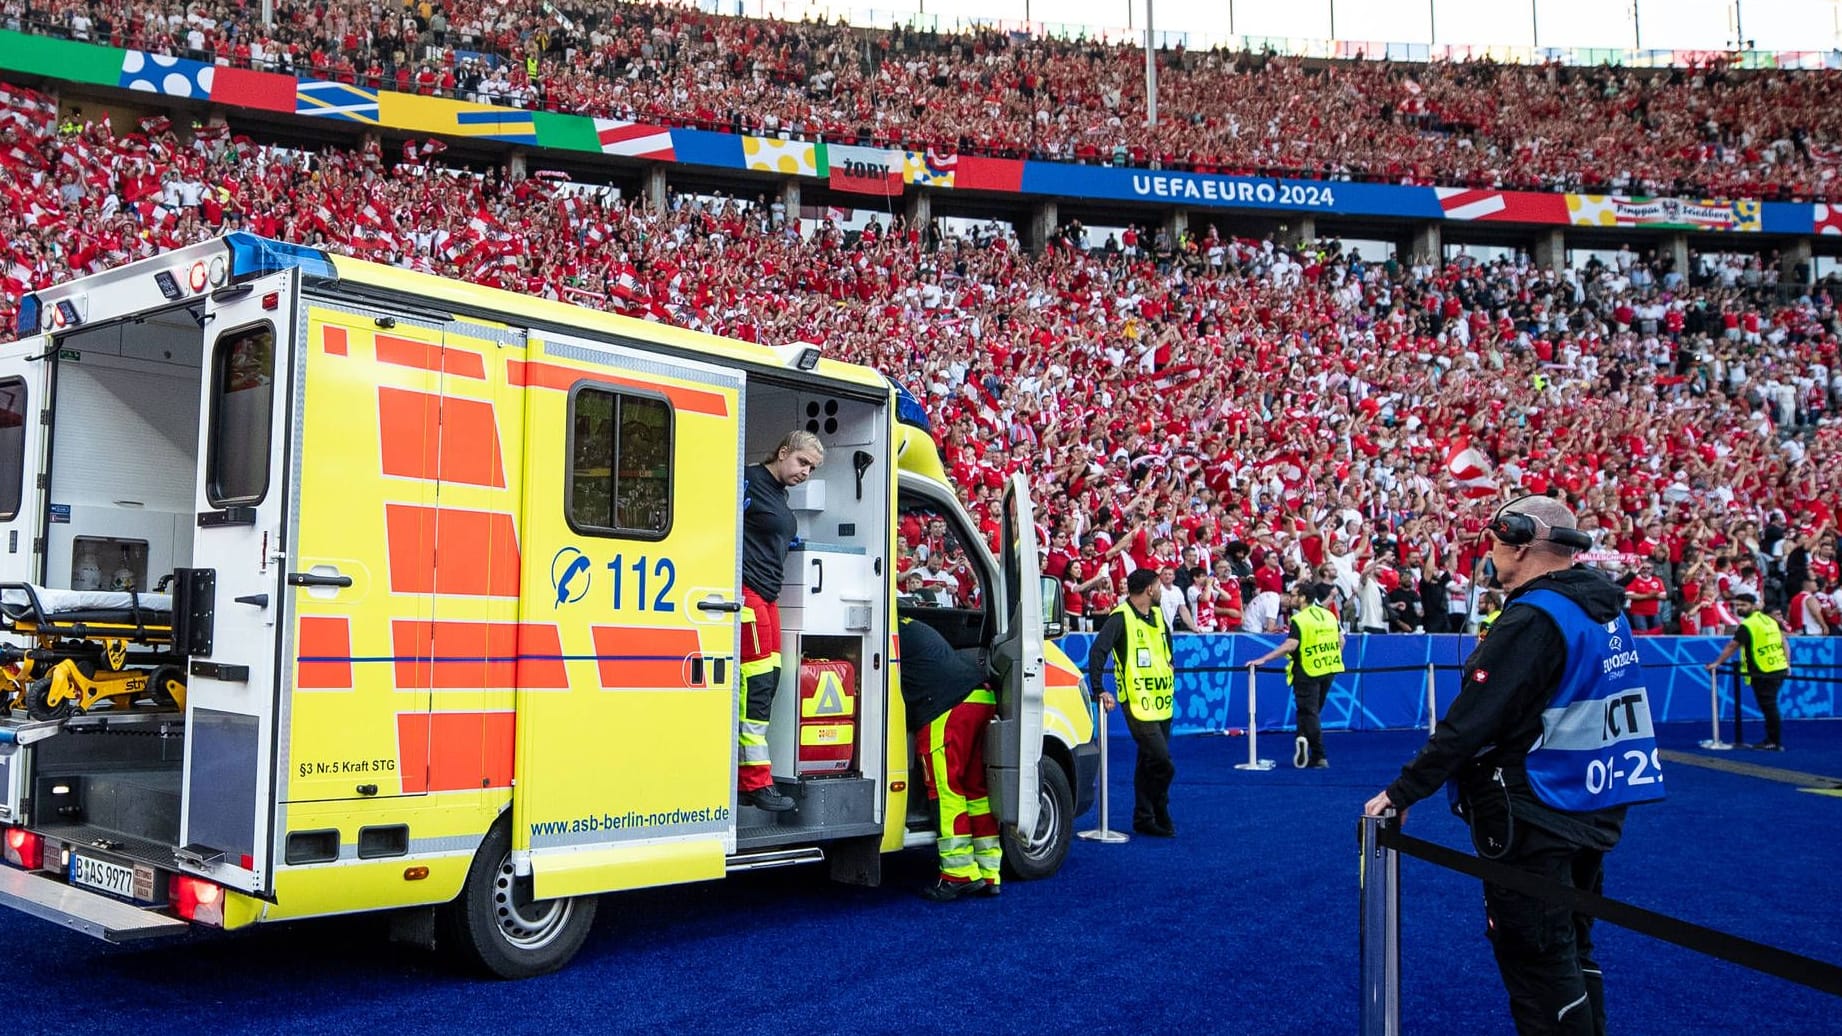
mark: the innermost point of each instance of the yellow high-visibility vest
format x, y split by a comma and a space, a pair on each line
1765, 653
1318, 650
1147, 680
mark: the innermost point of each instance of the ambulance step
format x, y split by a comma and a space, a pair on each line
750, 838
86, 912
769, 858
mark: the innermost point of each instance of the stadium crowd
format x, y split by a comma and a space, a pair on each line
1708, 132
1247, 415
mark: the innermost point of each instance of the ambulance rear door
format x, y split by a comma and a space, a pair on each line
1014, 742
245, 488
24, 397
625, 761
24, 400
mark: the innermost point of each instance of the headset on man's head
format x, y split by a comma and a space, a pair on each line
1517, 528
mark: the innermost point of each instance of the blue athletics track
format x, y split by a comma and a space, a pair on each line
1246, 923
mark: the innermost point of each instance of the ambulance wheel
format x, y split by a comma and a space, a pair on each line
496, 927
1041, 855
38, 696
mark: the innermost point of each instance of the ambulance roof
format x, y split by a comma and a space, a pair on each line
199, 269
515, 307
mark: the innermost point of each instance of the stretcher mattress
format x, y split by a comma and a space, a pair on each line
106, 606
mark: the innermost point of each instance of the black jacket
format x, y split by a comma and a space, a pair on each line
768, 530
934, 677
1490, 726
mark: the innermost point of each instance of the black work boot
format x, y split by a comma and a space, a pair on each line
769, 798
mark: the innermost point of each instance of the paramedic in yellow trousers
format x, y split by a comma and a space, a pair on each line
949, 706
1137, 639
768, 531
1315, 642
1767, 663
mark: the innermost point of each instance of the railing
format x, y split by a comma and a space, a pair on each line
1380, 929
916, 17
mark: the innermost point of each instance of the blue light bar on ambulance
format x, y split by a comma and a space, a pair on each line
252, 256
27, 323
909, 410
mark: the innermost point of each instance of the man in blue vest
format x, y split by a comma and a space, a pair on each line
1547, 743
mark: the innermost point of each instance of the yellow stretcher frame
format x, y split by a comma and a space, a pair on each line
88, 663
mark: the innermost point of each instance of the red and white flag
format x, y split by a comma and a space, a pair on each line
634, 140
1471, 469
865, 170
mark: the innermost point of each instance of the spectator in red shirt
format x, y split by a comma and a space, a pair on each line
1269, 576
1643, 601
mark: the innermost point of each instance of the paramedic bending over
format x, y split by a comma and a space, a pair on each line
768, 530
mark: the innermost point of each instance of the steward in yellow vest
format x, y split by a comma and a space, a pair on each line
1767, 663
1315, 642
1136, 639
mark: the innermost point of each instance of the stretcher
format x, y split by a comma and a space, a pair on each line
89, 648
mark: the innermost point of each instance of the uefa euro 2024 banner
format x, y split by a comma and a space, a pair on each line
1208, 190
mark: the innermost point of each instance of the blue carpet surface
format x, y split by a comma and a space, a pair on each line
1246, 923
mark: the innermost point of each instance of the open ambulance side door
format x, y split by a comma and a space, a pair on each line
24, 398
1014, 741
245, 489
625, 766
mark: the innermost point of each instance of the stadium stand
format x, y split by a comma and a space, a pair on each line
1709, 131
1354, 416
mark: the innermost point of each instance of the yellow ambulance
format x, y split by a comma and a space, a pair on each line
331, 587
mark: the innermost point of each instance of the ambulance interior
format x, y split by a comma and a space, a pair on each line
825, 731
119, 513
830, 613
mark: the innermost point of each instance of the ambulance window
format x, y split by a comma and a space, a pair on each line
620, 464
242, 403
934, 567
12, 445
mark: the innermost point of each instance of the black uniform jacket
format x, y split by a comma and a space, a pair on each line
1488, 729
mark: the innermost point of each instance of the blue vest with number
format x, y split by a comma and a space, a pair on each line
1598, 748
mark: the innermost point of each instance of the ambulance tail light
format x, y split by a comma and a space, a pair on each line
24, 849
198, 901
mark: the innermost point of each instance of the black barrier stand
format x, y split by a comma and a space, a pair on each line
1380, 879
1380, 932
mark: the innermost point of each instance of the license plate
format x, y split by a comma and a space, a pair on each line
117, 879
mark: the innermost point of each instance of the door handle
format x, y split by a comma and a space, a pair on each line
719, 606
819, 563
314, 579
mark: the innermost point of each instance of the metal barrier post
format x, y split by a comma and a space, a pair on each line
1714, 743
1254, 762
1104, 833
1432, 702
1739, 712
1379, 878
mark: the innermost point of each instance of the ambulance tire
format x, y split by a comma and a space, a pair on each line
495, 928
1042, 854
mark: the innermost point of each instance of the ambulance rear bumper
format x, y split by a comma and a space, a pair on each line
94, 915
